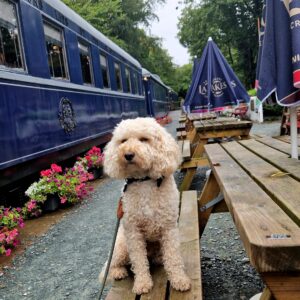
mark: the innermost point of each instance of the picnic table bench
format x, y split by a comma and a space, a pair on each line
260, 185
190, 250
209, 131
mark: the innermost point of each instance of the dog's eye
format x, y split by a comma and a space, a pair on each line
123, 141
143, 139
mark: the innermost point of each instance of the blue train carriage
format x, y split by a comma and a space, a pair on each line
63, 86
156, 95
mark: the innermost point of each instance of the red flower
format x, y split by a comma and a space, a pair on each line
56, 168
46, 173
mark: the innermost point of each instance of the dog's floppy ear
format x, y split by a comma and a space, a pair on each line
168, 156
111, 165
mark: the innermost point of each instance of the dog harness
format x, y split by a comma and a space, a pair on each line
129, 181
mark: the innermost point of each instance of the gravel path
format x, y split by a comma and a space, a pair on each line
65, 262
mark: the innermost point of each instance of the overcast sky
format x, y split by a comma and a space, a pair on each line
166, 28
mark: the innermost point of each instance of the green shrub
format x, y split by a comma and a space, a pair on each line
272, 110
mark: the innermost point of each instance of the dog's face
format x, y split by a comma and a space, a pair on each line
141, 147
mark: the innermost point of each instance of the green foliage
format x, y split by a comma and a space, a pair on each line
183, 79
121, 21
272, 110
252, 92
233, 26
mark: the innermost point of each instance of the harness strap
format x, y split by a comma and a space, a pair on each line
129, 181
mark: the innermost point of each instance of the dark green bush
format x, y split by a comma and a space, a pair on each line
272, 110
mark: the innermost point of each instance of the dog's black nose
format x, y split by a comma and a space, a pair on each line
129, 156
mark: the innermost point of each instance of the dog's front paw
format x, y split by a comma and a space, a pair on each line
181, 282
118, 273
142, 285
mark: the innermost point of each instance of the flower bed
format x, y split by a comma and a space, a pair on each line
70, 185
10, 220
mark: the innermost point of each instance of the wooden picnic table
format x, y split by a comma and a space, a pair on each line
204, 132
260, 186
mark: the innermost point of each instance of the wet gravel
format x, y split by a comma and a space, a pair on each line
65, 262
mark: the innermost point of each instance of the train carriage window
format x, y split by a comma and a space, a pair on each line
128, 80
56, 52
136, 83
118, 77
104, 70
86, 65
10, 46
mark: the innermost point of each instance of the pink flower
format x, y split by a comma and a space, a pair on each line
31, 205
56, 168
8, 252
63, 200
2, 237
46, 173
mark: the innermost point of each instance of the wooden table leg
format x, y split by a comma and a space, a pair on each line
266, 295
190, 172
283, 286
210, 191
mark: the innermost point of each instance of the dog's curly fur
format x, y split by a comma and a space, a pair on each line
149, 226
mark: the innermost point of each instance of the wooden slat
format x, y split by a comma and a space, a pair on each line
181, 127
186, 150
287, 138
121, 290
221, 125
276, 144
159, 289
256, 215
194, 163
224, 133
180, 145
275, 157
284, 190
190, 246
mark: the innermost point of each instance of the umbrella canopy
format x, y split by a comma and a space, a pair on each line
214, 84
278, 67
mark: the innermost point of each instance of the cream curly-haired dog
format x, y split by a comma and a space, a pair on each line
146, 155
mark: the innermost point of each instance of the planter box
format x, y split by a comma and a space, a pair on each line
97, 172
52, 203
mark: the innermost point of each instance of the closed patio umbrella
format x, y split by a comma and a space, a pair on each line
279, 62
214, 85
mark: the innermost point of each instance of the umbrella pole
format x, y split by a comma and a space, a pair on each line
294, 133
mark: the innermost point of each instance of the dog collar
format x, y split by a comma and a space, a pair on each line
129, 181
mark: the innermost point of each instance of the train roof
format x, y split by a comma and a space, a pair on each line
72, 15
156, 77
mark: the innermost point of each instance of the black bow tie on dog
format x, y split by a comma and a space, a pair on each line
132, 180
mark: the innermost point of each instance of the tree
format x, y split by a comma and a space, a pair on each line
233, 26
183, 79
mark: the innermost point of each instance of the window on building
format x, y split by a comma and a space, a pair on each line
10, 46
104, 71
128, 80
136, 83
56, 52
118, 77
86, 64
